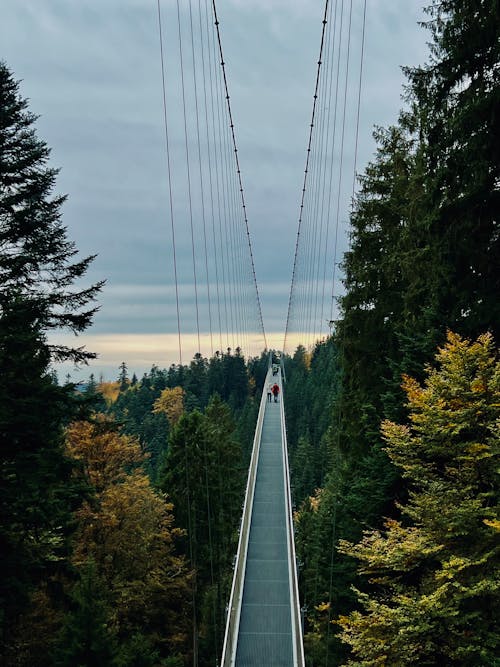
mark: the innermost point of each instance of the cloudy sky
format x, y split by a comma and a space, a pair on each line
91, 70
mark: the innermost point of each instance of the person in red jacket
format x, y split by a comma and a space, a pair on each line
276, 390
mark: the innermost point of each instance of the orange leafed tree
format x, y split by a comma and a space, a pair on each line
128, 530
170, 402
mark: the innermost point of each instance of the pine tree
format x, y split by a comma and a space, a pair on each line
436, 588
87, 638
36, 256
123, 380
455, 100
39, 292
203, 477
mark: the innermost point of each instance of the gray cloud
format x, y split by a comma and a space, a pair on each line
92, 70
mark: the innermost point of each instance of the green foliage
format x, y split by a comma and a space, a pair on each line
422, 260
127, 529
87, 638
123, 377
224, 374
311, 390
35, 258
436, 587
39, 292
204, 478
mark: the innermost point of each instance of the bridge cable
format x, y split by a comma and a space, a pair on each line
233, 206
227, 239
216, 226
343, 333
301, 209
319, 199
331, 170
238, 170
209, 155
330, 142
202, 189
188, 174
169, 171
337, 222
332, 53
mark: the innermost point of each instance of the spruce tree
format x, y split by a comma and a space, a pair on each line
455, 100
87, 638
435, 589
123, 377
38, 272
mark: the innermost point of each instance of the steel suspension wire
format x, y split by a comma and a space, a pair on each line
359, 102
341, 158
342, 343
218, 241
210, 158
186, 142
324, 195
217, 301
169, 171
331, 170
324, 213
308, 154
238, 171
318, 187
202, 189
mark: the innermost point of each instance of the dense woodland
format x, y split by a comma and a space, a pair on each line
393, 464
121, 504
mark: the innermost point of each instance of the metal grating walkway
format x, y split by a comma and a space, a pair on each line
265, 628
263, 625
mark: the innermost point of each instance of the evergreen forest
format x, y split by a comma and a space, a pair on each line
121, 503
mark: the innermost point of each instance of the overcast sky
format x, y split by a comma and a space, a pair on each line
91, 70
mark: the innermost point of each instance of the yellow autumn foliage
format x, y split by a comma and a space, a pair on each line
127, 529
171, 403
110, 391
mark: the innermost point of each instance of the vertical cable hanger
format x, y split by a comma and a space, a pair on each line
202, 188
188, 171
238, 171
304, 184
169, 172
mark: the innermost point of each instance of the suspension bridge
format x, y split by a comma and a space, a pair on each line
215, 294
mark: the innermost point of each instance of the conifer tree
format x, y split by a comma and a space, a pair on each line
37, 261
455, 99
123, 377
436, 590
39, 292
204, 479
87, 638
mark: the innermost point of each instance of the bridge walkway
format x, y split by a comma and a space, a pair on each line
264, 620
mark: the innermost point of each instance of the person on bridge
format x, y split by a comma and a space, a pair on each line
276, 390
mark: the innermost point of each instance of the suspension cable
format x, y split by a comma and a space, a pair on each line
238, 171
169, 171
301, 210
188, 171
343, 341
341, 158
202, 188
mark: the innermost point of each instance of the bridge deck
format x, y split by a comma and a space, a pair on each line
265, 628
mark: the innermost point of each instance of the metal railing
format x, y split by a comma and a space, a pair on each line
233, 617
298, 645
235, 602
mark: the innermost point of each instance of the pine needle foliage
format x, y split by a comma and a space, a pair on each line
435, 589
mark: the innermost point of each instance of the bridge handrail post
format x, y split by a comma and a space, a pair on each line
233, 617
